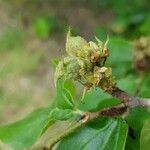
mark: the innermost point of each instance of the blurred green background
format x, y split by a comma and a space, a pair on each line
32, 33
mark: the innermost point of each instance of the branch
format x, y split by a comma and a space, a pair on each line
120, 94
139, 102
114, 111
128, 100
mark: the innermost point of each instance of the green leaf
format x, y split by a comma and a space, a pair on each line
145, 136
63, 98
24, 133
69, 85
137, 117
128, 84
61, 114
132, 143
145, 87
120, 50
103, 134
95, 99
136, 120
121, 56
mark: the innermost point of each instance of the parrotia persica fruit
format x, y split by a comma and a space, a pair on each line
85, 62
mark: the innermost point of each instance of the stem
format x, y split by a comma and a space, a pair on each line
120, 94
114, 111
139, 102
128, 100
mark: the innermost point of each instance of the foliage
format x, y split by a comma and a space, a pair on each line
101, 133
25, 132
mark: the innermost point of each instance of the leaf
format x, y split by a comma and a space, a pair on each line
145, 136
144, 92
61, 114
63, 98
103, 134
95, 99
137, 117
136, 120
24, 133
120, 50
121, 56
69, 85
132, 143
128, 84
